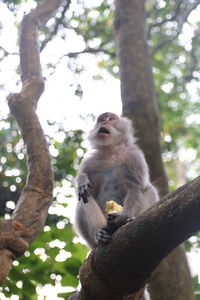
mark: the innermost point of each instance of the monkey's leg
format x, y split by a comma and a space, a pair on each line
151, 196
89, 219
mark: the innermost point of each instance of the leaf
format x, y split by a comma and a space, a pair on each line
69, 280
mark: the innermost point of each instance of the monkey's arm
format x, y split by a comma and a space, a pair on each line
141, 194
89, 219
136, 203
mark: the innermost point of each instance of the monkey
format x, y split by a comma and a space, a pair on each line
116, 170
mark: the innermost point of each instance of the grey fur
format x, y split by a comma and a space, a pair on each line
116, 171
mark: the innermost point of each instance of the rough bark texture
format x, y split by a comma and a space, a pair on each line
31, 211
137, 85
139, 104
124, 265
159, 278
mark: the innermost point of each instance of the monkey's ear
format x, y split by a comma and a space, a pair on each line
128, 129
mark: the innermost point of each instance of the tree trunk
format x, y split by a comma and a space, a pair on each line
139, 104
31, 211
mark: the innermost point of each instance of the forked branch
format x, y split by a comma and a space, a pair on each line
30, 214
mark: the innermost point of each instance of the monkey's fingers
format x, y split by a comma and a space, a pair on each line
80, 196
112, 217
83, 197
130, 219
102, 236
83, 194
114, 223
89, 185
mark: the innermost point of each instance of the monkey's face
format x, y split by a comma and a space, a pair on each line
105, 123
107, 131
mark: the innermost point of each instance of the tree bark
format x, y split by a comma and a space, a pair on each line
31, 211
139, 104
124, 265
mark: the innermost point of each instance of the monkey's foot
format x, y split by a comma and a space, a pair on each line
102, 236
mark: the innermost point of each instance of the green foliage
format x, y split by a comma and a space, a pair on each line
176, 71
67, 158
16, 2
13, 170
53, 258
94, 24
12, 1
196, 287
12, 164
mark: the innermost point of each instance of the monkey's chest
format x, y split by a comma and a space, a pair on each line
108, 185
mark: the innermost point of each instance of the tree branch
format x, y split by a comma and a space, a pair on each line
92, 51
139, 246
6, 53
87, 50
56, 27
31, 211
180, 27
193, 64
165, 20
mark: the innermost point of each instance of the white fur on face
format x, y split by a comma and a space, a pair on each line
121, 132
127, 129
97, 140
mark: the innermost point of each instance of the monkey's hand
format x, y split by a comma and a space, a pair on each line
116, 220
83, 185
102, 236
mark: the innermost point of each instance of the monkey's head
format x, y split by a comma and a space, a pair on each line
111, 130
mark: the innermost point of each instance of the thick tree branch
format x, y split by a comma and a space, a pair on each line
29, 50
31, 211
124, 266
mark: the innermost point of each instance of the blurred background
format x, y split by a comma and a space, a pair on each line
82, 80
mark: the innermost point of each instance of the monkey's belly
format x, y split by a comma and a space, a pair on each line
108, 184
111, 192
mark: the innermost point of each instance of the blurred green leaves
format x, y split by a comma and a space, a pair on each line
53, 258
173, 39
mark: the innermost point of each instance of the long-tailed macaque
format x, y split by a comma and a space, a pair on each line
116, 171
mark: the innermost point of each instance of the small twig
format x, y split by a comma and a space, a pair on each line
165, 20
92, 51
179, 30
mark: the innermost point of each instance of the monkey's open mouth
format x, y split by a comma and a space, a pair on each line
104, 130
